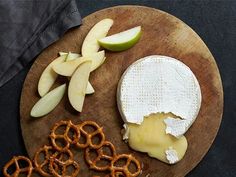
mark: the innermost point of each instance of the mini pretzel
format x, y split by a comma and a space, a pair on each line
39, 167
100, 155
98, 132
15, 161
63, 166
125, 169
69, 126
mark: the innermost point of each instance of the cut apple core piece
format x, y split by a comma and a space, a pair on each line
48, 102
121, 41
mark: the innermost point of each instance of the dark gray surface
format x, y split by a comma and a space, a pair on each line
27, 27
215, 22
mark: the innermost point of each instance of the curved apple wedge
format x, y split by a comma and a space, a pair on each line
98, 31
48, 102
78, 84
121, 41
48, 76
69, 67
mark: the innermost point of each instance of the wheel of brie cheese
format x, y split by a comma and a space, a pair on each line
159, 84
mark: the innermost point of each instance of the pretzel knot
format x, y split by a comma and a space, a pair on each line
45, 153
42, 167
65, 135
63, 167
16, 161
90, 136
101, 156
124, 170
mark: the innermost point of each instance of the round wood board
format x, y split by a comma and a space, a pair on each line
163, 34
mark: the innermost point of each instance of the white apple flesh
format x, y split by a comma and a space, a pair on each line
89, 89
78, 84
98, 31
72, 56
48, 102
63, 53
121, 41
48, 76
69, 67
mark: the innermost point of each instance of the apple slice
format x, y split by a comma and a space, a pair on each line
121, 41
78, 85
99, 30
48, 76
63, 53
89, 89
69, 67
48, 102
76, 55
72, 56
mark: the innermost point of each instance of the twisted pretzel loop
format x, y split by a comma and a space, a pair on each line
65, 135
101, 155
90, 135
15, 161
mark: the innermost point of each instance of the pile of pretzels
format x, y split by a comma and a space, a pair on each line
57, 158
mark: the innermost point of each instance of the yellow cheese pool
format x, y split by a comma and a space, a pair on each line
150, 137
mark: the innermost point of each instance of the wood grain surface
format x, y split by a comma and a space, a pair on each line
163, 34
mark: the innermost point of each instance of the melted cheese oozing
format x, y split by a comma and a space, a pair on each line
150, 137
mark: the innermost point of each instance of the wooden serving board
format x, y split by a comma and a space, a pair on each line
163, 34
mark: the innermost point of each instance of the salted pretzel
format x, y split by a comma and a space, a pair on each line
48, 152
62, 170
101, 155
65, 135
90, 135
16, 160
39, 167
124, 169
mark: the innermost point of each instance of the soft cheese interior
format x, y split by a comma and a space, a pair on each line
159, 98
150, 137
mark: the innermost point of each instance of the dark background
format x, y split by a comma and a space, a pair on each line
215, 22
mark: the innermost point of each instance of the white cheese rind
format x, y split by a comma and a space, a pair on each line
159, 84
176, 127
126, 132
171, 155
